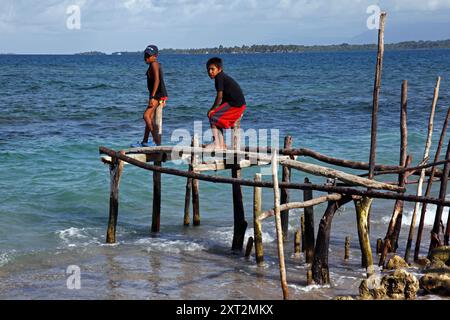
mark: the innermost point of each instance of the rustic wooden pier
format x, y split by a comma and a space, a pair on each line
339, 188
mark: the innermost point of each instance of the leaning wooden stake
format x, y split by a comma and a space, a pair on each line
422, 172
276, 194
285, 192
115, 170
195, 186
428, 190
436, 239
362, 210
257, 225
240, 225
248, 249
309, 226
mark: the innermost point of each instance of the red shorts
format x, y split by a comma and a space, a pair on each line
225, 116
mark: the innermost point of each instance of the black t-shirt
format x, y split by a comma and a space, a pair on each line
161, 91
232, 93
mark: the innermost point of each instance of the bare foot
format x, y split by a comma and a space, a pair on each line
211, 146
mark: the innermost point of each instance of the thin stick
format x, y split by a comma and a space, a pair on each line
195, 186
422, 173
276, 194
428, 190
285, 192
257, 226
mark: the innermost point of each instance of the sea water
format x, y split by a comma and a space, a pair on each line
57, 110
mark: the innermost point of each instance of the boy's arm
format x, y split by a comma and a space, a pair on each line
216, 102
155, 68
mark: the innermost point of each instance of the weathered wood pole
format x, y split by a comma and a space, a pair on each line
422, 172
276, 195
297, 238
389, 239
187, 201
156, 212
115, 171
240, 225
362, 211
436, 239
320, 270
309, 277
195, 186
302, 228
309, 226
347, 248
248, 249
285, 192
257, 225
376, 95
428, 190
403, 155
379, 245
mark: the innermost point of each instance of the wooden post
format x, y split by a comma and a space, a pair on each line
379, 245
195, 186
187, 200
389, 239
428, 190
309, 226
362, 210
376, 94
347, 248
403, 155
276, 195
257, 225
285, 192
248, 249
320, 270
422, 172
309, 277
302, 228
115, 171
297, 249
240, 225
156, 215
436, 239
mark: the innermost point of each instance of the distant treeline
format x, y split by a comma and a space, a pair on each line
440, 44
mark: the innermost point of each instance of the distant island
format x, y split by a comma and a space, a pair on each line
90, 53
440, 44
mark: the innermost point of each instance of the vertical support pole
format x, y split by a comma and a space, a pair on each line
156, 212
422, 172
248, 249
187, 201
309, 225
302, 228
240, 225
297, 249
285, 192
347, 248
257, 225
362, 210
379, 245
276, 195
436, 239
115, 170
195, 185
428, 191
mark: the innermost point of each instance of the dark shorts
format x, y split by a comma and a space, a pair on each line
225, 116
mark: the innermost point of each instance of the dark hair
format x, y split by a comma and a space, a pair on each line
215, 61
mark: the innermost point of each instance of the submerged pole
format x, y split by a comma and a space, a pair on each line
285, 192
115, 170
309, 225
362, 210
257, 224
422, 172
276, 193
195, 186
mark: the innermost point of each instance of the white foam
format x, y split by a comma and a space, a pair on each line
73, 237
308, 288
429, 215
169, 246
225, 236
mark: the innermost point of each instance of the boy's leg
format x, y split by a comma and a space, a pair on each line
148, 118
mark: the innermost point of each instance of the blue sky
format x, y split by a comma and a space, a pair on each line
118, 25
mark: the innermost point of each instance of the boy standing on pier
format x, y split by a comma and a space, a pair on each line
158, 96
229, 105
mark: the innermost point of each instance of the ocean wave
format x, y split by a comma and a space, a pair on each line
98, 86
225, 237
74, 237
169, 246
6, 257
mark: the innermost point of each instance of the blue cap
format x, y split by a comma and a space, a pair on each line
151, 50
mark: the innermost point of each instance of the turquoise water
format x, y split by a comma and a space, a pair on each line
57, 111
